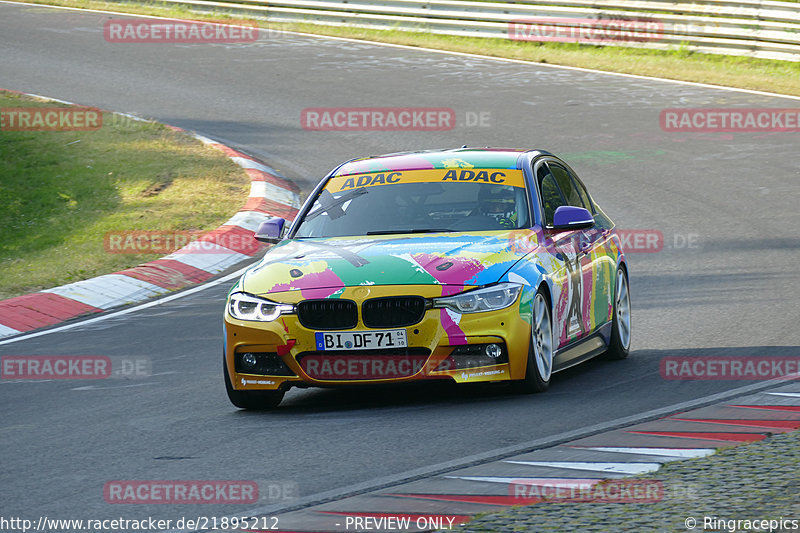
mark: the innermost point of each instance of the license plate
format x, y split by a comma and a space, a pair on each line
361, 340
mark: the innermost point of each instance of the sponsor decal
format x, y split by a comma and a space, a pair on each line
513, 178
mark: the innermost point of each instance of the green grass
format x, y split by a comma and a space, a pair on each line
60, 192
781, 77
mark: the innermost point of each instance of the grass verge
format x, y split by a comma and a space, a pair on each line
781, 77
62, 191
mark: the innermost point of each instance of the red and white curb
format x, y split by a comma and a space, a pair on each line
586, 467
270, 196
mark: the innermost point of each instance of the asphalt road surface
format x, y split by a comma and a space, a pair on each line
725, 283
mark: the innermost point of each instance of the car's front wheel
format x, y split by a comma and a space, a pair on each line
255, 400
540, 353
620, 344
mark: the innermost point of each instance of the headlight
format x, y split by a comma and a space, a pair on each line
246, 307
487, 299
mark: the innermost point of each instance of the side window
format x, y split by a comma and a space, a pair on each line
567, 186
584, 194
551, 196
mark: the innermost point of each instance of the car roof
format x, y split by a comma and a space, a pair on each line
505, 158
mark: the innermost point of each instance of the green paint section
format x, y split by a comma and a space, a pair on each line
382, 270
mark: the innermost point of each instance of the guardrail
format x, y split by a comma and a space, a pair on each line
754, 28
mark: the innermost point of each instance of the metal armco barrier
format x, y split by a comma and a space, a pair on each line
754, 28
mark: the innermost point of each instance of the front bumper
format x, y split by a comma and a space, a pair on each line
443, 345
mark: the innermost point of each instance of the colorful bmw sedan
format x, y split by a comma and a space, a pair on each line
466, 265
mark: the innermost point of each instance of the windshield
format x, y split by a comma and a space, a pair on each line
418, 201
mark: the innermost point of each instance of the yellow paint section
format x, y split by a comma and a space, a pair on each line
504, 176
287, 336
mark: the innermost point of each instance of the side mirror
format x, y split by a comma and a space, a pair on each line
568, 217
270, 231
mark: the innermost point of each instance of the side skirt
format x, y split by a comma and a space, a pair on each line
583, 349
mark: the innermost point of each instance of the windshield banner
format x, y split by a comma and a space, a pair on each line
511, 177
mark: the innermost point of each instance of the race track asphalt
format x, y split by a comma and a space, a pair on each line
734, 291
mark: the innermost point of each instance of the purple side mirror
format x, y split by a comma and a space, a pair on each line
569, 217
270, 231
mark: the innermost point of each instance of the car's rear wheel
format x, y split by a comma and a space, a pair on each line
255, 400
620, 344
540, 352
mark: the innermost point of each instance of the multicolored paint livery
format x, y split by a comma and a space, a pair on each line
509, 273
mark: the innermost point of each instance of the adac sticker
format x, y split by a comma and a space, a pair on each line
494, 176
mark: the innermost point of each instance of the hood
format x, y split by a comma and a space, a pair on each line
463, 259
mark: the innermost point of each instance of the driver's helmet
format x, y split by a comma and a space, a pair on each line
499, 202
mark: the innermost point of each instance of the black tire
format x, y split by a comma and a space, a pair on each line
620, 344
537, 380
253, 400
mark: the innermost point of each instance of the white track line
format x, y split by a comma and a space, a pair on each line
131, 309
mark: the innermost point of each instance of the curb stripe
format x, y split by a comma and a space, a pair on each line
614, 468
472, 498
789, 408
726, 437
675, 453
257, 175
107, 291
214, 262
6, 331
264, 205
226, 235
167, 273
37, 310
263, 189
787, 425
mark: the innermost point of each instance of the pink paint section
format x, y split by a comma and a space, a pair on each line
462, 269
455, 335
588, 286
400, 162
326, 281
